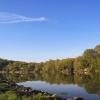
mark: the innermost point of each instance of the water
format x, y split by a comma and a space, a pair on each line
69, 90
86, 86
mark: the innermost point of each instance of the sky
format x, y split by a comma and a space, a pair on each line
38, 30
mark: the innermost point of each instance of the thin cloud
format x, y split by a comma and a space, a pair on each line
6, 18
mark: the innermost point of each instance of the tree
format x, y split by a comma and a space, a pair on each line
97, 49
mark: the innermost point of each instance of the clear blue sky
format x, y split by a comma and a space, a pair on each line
38, 30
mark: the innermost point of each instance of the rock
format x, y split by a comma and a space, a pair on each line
78, 98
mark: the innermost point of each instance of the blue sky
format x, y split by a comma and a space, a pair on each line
38, 30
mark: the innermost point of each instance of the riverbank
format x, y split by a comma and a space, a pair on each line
20, 92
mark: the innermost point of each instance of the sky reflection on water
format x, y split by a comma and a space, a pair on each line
69, 90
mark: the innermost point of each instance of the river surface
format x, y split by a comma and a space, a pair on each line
86, 86
69, 90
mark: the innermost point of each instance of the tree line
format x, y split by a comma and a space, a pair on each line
88, 62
